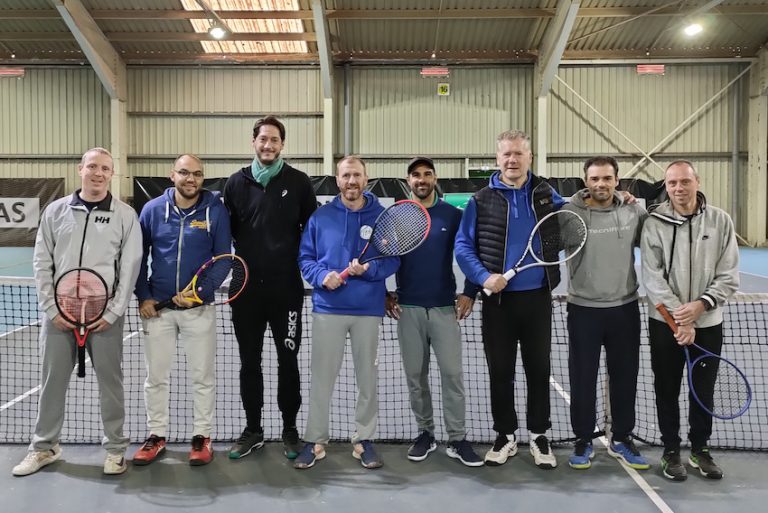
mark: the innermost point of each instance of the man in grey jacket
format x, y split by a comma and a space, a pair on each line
88, 229
690, 265
603, 311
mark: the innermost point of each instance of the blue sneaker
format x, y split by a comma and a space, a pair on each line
308, 456
366, 453
582, 455
462, 450
626, 451
422, 446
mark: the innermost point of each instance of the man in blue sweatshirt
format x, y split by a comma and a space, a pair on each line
603, 311
182, 229
492, 236
335, 235
427, 311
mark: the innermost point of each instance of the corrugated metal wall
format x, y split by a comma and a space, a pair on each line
52, 115
47, 119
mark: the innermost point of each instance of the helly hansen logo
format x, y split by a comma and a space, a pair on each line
101, 219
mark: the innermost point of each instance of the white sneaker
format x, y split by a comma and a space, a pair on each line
504, 448
35, 460
542, 453
115, 463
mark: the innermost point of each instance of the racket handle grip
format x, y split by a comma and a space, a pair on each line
344, 274
163, 304
80, 361
667, 317
507, 276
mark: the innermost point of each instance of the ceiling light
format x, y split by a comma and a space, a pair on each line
217, 31
692, 29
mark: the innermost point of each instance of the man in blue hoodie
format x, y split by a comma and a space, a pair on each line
182, 229
492, 236
603, 310
334, 237
427, 311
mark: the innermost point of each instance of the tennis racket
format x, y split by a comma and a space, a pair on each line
732, 393
81, 297
228, 270
565, 235
398, 230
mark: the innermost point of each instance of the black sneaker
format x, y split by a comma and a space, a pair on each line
291, 445
702, 460
422, 446
247, 442
671, 466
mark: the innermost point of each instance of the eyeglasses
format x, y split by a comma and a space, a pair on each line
184, 173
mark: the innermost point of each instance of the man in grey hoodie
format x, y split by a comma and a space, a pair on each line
691, 266
603, 311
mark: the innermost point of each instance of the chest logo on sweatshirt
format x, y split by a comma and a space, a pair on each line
202, 225
284, 193
365, 232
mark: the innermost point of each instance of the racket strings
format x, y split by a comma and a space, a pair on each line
81, 297
563, 231
212, 277
729, 393
400, 229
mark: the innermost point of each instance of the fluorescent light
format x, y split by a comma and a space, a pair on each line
692, 29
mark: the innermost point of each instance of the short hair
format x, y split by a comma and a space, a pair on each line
190, 155
351, 158
514, 135
97, 149
684, 162
602, 160
269, 120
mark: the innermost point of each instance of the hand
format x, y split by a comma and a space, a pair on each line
463, 306
685, 335
99, 326
184, 300
147, 309
391, 307
358, 269
62, 324
332, 281
495, 283
688, 313
629, 198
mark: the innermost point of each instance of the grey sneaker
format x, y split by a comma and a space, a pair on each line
671, 466
702, 460
247, 443
542, 453
503, 448
35, 460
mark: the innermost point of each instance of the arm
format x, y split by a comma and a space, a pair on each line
142, 283
465, 248
128, 267
726, 280
311, 269
654, 261
308, 204
381, 269
42, 263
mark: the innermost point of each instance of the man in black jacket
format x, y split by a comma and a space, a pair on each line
269, 204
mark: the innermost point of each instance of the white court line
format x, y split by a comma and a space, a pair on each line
3, 335
634, 474
753, 274
37, 388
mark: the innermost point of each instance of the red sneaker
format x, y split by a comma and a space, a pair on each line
202, 451
153, 447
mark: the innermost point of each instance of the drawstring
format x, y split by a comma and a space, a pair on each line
671, 253
208, 219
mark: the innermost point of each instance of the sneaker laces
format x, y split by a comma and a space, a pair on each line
580, 449
703, 454
423, 439
151, 442
197, 442
543, 444
630, 445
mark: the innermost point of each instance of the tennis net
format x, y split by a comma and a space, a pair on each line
746, 336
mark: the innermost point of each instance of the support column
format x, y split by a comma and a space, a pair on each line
121, 182
541, 131
328, 168
755, 220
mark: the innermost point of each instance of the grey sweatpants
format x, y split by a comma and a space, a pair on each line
329, 337
417, 330
59, 352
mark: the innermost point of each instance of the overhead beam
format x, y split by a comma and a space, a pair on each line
369, 14
104, 59
163, 36
553, 45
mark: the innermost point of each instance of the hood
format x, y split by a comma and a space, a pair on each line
204, 201
494, 182
666, 213
371, 202
579, 200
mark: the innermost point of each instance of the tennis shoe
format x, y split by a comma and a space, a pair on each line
422, 446
542, 453
462, 450
671, 466
153, 448
35, 460
503, 448
202, 451
248, 442
582, 455
308, 455
701, 459
366, 453
115, 464
626, 452
291, 445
